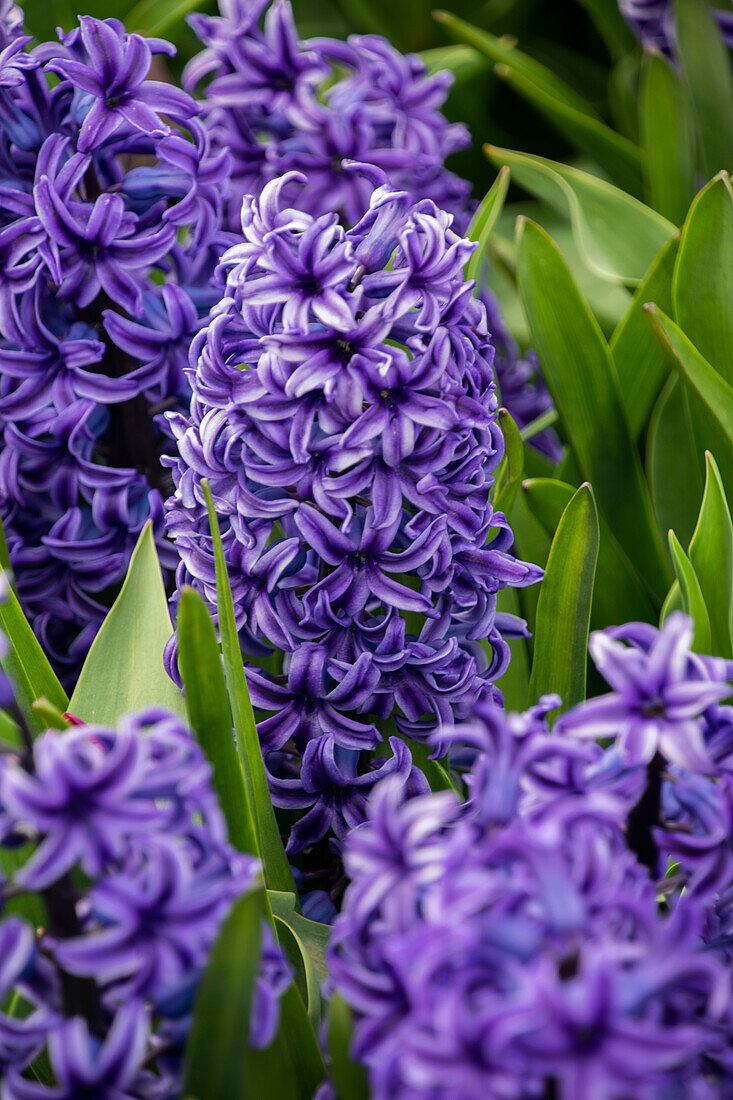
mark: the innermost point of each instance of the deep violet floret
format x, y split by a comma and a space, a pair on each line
130, 859
653, 21
517, 945
110, 209
344, 414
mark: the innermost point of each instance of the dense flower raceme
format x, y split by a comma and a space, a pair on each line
344, 413
111, 977
517, 945
653, 21
278, 104
110, 204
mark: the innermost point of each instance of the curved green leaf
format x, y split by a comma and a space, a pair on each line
581, 377
463, 61
482, 225
510, 472
674, 476
27, 665
616, 234
155, 17
706, 64
277, 871
199, 661
691, 593
711, 556
715, 392
563, 609
305, 941
668, 138
641, 365
220, 1063
618, 594
124, 669
349, 1078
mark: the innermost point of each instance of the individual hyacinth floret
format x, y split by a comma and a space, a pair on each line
344, 414
521, 944
110, 210
131, 862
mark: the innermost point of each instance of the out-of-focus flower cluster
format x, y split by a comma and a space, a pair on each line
110, 204
130, 859
653, 22
567, 932
344, 413
278, 104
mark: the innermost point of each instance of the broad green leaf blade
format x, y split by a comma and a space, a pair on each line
563, 608
703, 280
27, 664
617, 236
581, 377
692, 599
220, 1063
349, 1078
641, 365
305, 976
124, 669
512, 467
276, 868
706, 64
668, 138
711, 556
715, 392
618, 594
300, 1046
674, 475
482, 225
199, 661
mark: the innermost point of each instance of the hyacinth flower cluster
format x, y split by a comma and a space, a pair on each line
567, 931
278, 104
110, 209
344, 415
127, 854
653, 22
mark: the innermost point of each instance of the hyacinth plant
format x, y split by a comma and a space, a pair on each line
416, 868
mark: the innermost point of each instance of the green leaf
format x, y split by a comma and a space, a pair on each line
155, 17
199, 661
501, 52
510, 472
674, 476
305, 941
348, 1077
276, 868
220, 1063
482, 225
618, 594
581, 377
668, 138
711, 556
124, 669
641, 365
563, 608
27, 665
706, 64
692, 599
616, 234
514, 684
703, 281
695, 369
